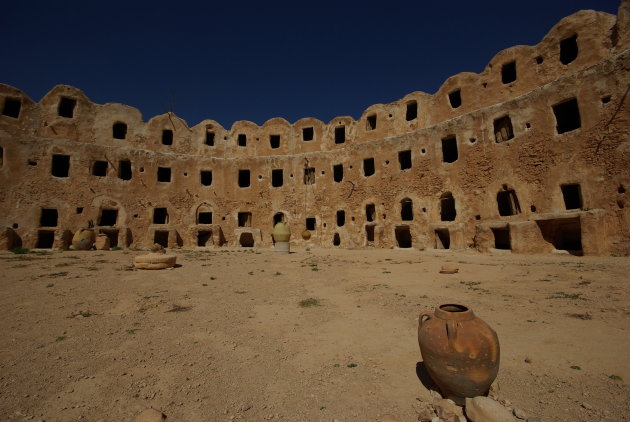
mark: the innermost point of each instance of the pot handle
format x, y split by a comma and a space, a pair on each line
421, 318
451, 332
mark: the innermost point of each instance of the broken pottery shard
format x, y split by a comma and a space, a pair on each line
154, 261
484, 409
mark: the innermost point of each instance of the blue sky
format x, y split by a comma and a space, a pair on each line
253, 61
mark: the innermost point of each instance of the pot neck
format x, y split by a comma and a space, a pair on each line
454, 312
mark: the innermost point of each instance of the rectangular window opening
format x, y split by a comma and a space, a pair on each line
368, 167
404, 158
66, 107
164, 174
60, 165
455, 98
406, 210
209, 138
341, 218
371, 122
107, 217
572, 195
307, 134
167, 137
442, 239
412, 111
309, 176
99, 168
124, 170
119, 130
1, 157
310, 223
507, 202
242, 140
244, 219
160, 216
45, 239
12, 107
503, 130
403, 237
338, 173
340, 134
568, 49
205, 177
48, 218
243, 178
370, 212
567, 116
449, 149
204, 217
274, 141
277, 178
369, 233
508, 72
502, 238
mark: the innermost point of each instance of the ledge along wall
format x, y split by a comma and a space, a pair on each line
531, 155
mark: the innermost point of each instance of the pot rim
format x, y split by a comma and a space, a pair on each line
457, 312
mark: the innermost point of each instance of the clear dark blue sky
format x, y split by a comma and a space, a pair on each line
237, 60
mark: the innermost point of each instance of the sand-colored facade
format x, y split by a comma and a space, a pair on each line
531, 155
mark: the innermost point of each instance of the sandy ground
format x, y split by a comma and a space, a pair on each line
223, 337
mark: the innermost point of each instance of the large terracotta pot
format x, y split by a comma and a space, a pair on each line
281, 232
83, 239
460, 351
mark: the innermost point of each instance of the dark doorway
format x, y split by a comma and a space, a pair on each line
572, 196
371, 122
60, 165
112, 235
164, 174
278, 218
368, 167
338, 173
242, 140
412, 111
507, 202
563, 233
449, 149
277, 178
160, 216
108, 217
205, 177
447, 207
66, 107
341, 218
369, 233
246, 240
124, 170
274, 141
502, 238
12, 107
340, 134
45, 239
442, 239
406, 209
404, 159
567, 116
167, 137
243, 178
455, 98
403, 237
48, 217
503, 130
310, 223
99, 168
568, 50
370, 212
119, 130
161, 238
204, 217
244, 219
204, 238
508, 72
336, 240
307, 134
209, 138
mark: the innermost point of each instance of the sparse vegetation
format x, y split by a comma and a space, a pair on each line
563, 295
307, 303
615, 377
576, 367
179, 308
585, 316
20, 250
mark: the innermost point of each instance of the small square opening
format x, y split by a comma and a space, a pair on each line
242, 140
167, 137
164, 174
48, 218
502, 238
66, 107
455, 98
204, 217
412, 111
124, 170
309, 176
338, 173
277, 178
119, 130
244, 219
508, 72
205, 177
108, 217
12, 107
449, 149
572, 195
60, 165
406, 210
99, 168
404, 159
340, 134
371, 122
161, 238
503, 130
243, 178
45, 239
307, 134
403, 237
160, 216
442, 239
274, 141
368, 167
310, 223
567, 116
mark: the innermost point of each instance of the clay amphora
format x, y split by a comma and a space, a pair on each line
460, 351
83, 239
281, 232
306, 235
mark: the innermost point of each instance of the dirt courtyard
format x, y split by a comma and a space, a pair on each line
229, 335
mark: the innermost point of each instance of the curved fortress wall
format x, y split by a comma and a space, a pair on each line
531, 155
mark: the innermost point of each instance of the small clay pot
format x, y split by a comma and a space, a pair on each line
83, 239
460, 351
281, 232
306, 235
